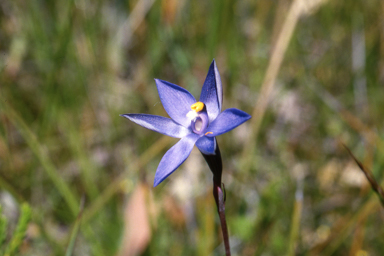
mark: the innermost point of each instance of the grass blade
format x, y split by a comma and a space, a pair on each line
75, 230
38, 150
18, 236
375, 186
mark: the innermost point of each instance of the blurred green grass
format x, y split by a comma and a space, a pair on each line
69, 68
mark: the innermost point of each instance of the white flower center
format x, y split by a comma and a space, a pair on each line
198, 125
192, 115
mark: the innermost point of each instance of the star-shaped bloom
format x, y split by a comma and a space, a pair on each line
194, 122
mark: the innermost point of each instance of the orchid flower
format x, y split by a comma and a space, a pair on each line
194, 122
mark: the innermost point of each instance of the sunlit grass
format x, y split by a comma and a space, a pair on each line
69, 68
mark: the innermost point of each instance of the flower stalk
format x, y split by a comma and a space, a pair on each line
215, 164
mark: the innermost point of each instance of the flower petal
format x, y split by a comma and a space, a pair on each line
176, 101
212, 92
159, 124
175, 157
206, 145
226, 121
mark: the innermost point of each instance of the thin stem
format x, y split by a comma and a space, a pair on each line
215, 164
220, 203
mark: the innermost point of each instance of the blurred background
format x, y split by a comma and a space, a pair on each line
310, 72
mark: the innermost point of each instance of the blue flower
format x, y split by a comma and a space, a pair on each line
194, 122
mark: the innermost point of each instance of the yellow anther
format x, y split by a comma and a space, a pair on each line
208, 133
198, 106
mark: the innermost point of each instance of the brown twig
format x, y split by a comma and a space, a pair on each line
375, 186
